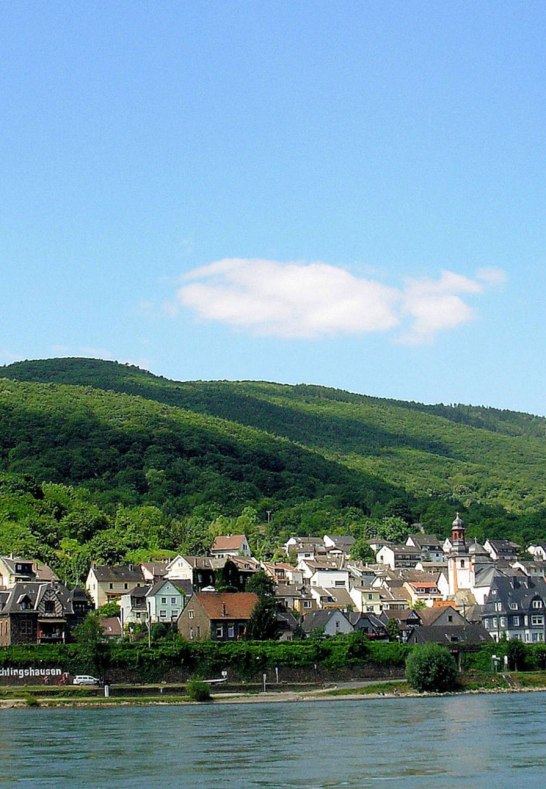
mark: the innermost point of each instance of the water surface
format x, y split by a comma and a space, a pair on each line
470, 741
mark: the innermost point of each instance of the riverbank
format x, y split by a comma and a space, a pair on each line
352, 691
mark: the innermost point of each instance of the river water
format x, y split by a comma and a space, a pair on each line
470, 741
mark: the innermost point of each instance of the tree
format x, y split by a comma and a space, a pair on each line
431, 667
263, 624
261, 584
517, 653
393, 629
93, 649
361, 551
108, 609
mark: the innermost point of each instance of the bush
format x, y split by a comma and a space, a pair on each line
198, 690
431, 668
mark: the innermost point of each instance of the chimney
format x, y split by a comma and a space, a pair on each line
224, 610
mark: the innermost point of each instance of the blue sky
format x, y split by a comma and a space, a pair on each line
349, 194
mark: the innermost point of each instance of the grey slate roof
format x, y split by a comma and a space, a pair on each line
519, 591
33, 591
117, 573
319, 619
463, 634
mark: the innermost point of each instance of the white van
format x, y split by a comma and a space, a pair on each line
85, 679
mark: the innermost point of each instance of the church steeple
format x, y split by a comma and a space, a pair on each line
457, 535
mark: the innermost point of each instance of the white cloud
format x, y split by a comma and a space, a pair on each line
435, 305
311, 300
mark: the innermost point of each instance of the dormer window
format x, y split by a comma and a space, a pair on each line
537, 604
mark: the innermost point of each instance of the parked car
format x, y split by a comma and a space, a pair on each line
85, 679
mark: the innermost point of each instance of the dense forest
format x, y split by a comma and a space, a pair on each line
105, 461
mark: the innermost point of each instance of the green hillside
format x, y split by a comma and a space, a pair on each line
108, 441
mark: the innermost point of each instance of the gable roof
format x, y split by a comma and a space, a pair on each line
183, 586
227, 605
318, 619
121, 572
466, 634
231, 542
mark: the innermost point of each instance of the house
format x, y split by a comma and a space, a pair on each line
282, 572
331, 623
132, 606
423, 591
448, 635
366, 599
536, 569
219, 616
199, 570
290, 595
429, 547
367, 623
232, 545
406, 619
515, 608
538, 551
395, 556
305, 547
338, 545
294, 597
332, 597
153, 571
441, 616
37, 612
111, 627
326, 573
502, 549
286, 625
166, 600
15, 570
106, 584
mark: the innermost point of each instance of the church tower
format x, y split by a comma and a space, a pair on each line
460, 569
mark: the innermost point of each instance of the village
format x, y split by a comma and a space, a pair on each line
455, 592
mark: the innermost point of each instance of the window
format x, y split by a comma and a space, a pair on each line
486, 624
190, 614
340, 583
164, 600
502, 621
515, 621
370, 597
514, 606
173, 600
191, 633
307, 604
125, 586
537, 620
231, 631
537, 603
498, 606
220, 631
110, 586
450, 618
462, 563
26, 628
495, 622
163, 614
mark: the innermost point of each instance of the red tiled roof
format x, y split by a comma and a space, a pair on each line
227, 605
233, 542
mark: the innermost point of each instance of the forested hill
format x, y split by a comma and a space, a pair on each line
317, 458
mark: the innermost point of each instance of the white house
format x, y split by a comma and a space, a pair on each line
231, 545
